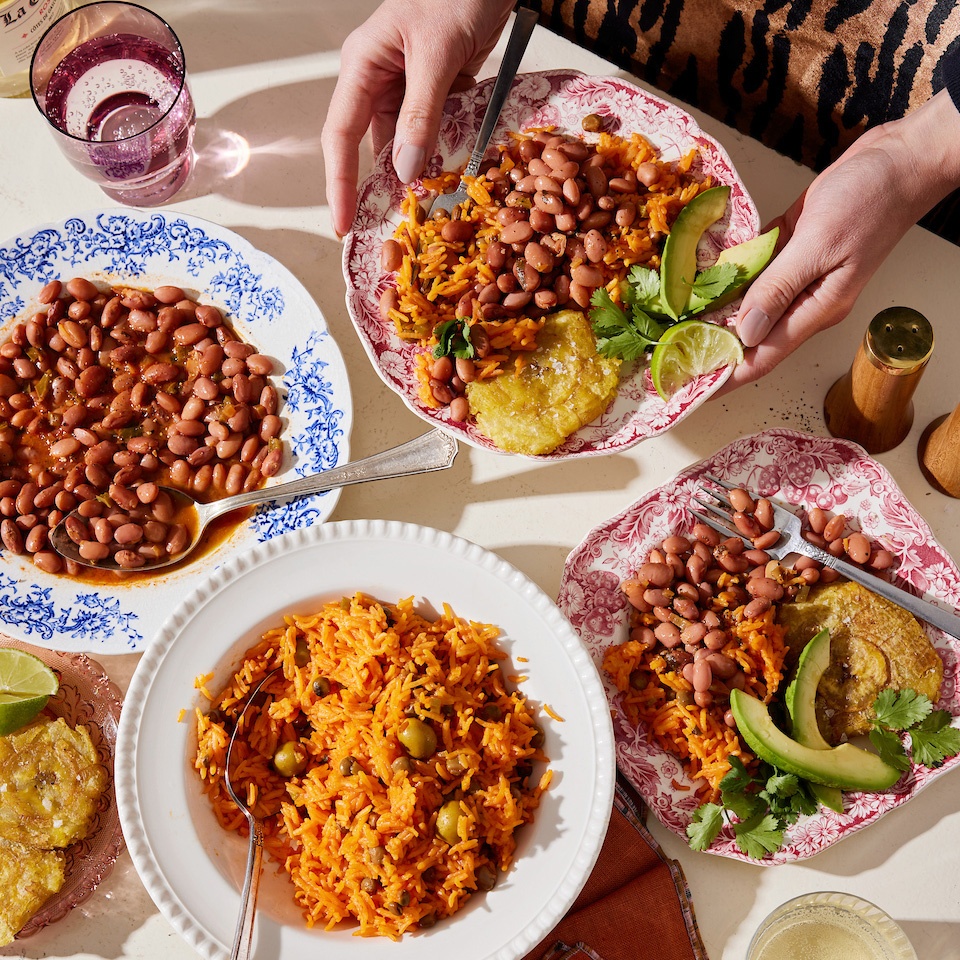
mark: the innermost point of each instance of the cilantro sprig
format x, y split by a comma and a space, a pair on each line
931, 737
453, 340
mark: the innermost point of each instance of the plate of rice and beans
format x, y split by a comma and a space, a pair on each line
433, 759
676, 617
140, 351
480, 322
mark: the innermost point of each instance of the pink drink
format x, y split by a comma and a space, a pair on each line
121, 109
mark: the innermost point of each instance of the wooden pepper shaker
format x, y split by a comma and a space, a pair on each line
872, 403
939, 453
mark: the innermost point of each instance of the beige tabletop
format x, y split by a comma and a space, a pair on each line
262, 74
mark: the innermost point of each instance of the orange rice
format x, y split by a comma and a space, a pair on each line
658, 698
435, 274
357, 831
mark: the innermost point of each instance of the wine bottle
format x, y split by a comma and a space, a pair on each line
22, 24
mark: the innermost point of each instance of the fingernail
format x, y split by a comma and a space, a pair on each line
408, 161
753, 327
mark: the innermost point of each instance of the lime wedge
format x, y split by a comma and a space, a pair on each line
25, 684
689, 349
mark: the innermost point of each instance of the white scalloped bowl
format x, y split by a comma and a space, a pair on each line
193, 869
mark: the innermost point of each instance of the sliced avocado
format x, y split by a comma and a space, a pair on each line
846, 766
678, 265
749, 257
800, 698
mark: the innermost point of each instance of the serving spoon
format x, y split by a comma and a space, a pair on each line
432, 451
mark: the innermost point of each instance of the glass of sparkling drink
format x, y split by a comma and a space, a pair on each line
829, 926
111, 80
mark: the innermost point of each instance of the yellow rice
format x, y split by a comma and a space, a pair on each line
361, 844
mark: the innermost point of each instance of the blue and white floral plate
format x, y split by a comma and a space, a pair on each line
270, 308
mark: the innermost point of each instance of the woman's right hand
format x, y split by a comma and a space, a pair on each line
396, 70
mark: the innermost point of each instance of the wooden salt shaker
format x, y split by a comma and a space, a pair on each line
871, 404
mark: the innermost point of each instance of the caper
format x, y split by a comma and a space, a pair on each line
321, 687
486, 877
301, 653
418, 738
349, 766
290, 760
448, 817
376, 854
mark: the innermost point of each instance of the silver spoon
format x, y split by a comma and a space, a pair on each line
243, 936
432, 451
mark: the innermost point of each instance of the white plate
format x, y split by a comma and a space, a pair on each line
794, 468
270, 308
193, 869
560, 98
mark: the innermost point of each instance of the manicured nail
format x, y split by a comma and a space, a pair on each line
408, 161
754, 327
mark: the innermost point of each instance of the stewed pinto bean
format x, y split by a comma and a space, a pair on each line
110, 394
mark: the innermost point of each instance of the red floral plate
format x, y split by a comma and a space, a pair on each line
560, 98
797, 469
88, 696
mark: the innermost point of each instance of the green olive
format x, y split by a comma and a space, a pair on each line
290, 760
301, 653
448, 816
418, 738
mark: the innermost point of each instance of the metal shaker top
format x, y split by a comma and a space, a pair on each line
899, 339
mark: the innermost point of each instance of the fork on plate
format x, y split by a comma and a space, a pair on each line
523, 24
718, 513
243, 936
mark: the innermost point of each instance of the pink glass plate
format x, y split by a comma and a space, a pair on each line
797, 469
86, 695
561, 98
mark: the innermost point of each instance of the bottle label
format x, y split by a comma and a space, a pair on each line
22, 24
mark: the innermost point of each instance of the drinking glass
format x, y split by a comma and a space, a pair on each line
111, 80
829, 926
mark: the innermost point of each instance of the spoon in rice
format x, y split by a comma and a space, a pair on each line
435, 450
243, 936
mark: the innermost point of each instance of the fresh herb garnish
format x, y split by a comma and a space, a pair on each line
453, 340
714, 282
932, 739
620, 335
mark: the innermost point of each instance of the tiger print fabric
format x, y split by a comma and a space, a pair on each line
804, 77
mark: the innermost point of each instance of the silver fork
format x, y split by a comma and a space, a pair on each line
523, 24
243, 935
791, 541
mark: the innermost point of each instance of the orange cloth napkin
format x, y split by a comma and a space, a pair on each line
634, 906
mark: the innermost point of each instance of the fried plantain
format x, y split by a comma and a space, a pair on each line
565, 385
874, 645
50, 783
28, 878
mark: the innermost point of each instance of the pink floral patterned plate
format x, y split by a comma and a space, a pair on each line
561, 98
796, 469
87, 696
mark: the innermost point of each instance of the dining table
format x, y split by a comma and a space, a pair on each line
262, 76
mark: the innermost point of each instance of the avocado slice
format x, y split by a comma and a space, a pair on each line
750, 258
678, 264
800, 698
846, 766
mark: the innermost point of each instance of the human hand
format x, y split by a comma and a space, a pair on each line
838, 233
396, 70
